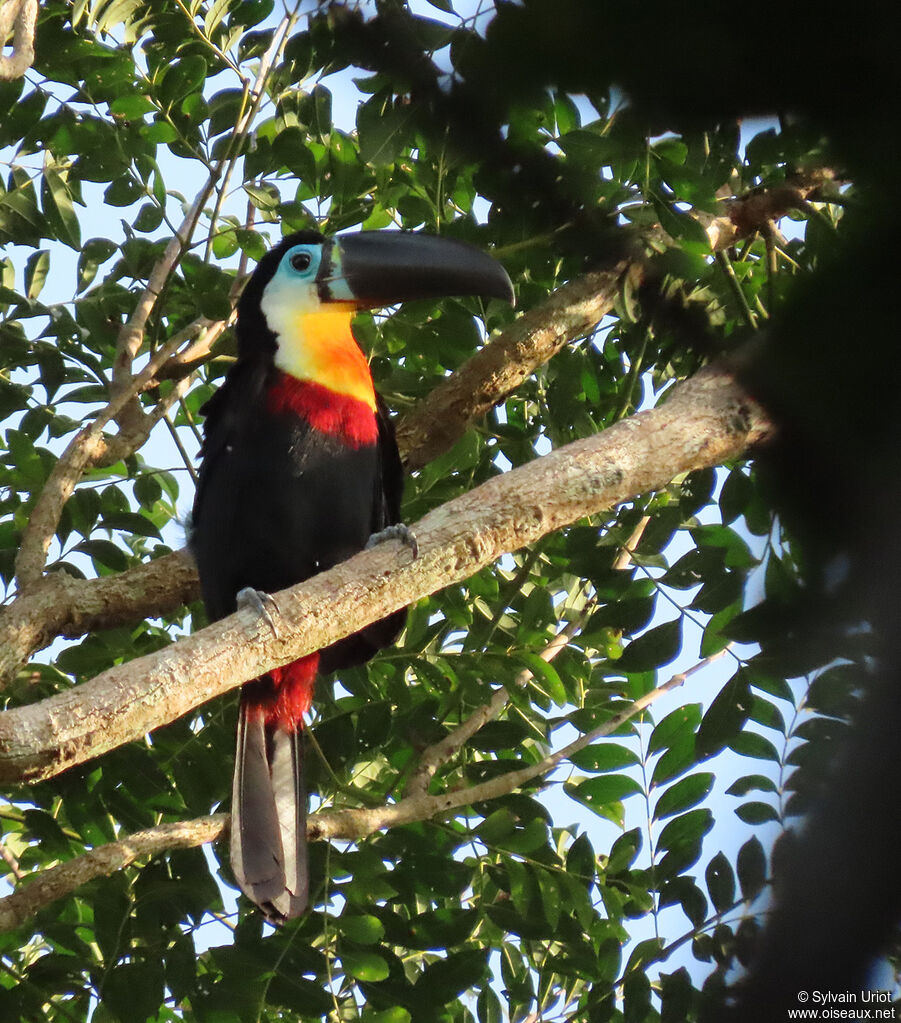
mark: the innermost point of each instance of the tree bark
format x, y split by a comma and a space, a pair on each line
707, 420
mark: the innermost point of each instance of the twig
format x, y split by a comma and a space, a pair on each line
351, 824
131, 335
735, 287
11, 862
624, 558
440, 753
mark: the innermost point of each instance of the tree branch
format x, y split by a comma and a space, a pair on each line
566, 314
61, 880
61, 605
41, 889
706, 421
17, 17
498, 368
441, 752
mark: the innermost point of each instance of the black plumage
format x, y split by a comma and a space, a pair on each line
300, 468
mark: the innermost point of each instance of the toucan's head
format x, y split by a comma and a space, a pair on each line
297, 306
307, 274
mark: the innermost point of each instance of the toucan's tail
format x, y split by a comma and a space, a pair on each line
269, 803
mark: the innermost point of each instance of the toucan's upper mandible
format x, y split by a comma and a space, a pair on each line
377, 268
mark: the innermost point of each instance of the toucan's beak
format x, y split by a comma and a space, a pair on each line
379, 268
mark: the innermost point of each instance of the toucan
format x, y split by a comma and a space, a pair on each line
300, 469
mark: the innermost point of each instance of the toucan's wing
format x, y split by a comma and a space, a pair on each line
390, 476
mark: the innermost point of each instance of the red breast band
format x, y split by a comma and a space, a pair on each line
347, 419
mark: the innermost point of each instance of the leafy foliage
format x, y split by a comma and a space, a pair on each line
501, 911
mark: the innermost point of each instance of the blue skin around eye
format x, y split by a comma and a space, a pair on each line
286, 269
336, 286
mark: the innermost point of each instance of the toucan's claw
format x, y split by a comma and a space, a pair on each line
397, 532
260, 602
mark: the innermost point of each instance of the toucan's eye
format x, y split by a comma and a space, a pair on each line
301, 261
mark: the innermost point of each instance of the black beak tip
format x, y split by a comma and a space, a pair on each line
505, 287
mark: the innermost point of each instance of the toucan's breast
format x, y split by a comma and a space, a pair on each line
315, 343
339, 415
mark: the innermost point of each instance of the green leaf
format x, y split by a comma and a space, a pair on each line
56, 202
396, 1014
446, 979
749, 782
544, 677
682, 891
684, 794
149, 217
130, 522
750, 744
366, 966
363, 928
94, 253
603, 756
653, 649
690, 827
442, 928
264, 198
134, 991
756, 813
624, 851
675, 725
726, 716
735, 495
37, 266
720, 883
604, 794
181, 78
322, 112
751, 865
105, 553
384, 130
132, 107
159, 133
124, 191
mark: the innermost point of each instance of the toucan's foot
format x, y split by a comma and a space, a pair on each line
260, 602
396, 532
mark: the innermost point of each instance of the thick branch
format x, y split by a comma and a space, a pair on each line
61, 605
64, 878
17, 17
706, 421
506, 361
